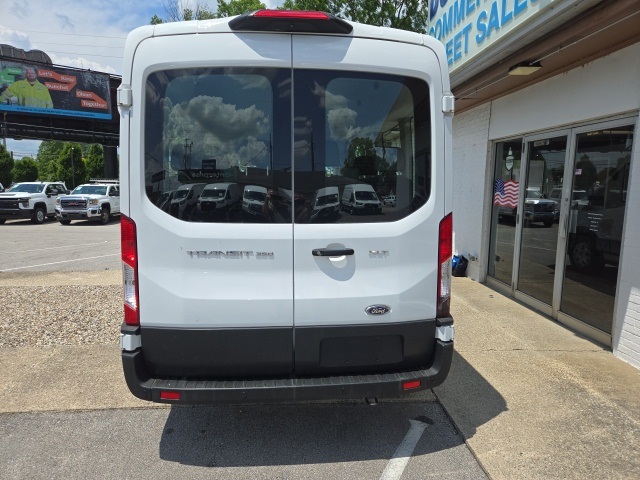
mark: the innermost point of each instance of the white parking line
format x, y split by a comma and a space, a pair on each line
57, 263
403, 453
65, 246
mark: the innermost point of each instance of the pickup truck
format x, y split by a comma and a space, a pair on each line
34, 200
96, 201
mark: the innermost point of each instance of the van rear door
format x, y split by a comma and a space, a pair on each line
365, 283
216, 291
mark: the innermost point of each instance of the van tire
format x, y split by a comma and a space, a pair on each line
584, 257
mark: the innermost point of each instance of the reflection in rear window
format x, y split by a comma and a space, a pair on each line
290, 162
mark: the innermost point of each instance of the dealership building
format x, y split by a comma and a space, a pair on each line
546, 157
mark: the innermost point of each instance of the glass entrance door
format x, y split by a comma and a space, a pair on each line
545, 166
555, 244
594, 219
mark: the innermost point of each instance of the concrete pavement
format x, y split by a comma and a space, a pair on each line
531, 398
535, 400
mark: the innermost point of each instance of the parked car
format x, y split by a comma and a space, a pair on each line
185, 199
579, 198
97, 201
326, 203
595, 229
536, 209
283, 310
34, 200
389, 201
217, 201
360, 198
253, 198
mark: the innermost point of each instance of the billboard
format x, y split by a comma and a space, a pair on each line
48, 90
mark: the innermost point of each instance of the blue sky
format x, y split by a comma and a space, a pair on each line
86, 34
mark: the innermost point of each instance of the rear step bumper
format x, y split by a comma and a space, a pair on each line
284, 390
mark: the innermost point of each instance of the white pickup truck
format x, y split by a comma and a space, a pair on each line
97, 201
34, 200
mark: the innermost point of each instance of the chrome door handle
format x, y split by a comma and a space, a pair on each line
324, 252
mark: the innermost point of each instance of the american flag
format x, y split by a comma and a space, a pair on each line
505, 194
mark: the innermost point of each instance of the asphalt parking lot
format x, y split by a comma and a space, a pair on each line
525, 399
52, 247
63, 399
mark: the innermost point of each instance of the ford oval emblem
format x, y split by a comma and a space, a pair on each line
377, 310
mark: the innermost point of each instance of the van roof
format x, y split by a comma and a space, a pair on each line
221, 25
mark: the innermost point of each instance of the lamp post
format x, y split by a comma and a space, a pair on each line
73, 171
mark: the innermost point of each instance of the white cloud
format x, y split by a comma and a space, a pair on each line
220, 130
88, 34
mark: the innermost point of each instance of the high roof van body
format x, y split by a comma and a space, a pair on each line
281, 303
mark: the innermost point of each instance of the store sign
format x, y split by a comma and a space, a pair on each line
467, 27
48, 90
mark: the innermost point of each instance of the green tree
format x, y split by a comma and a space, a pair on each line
412, 15
6, 166
328, 6
25, 170
70, 168
47, 158
237, 7
178, 11
94, 161
361, 160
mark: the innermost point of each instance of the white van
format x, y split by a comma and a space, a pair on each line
326, 203
184, 200
253, 198
218, 200
296, 306
360, 198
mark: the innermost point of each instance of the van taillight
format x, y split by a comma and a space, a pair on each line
290, 21
308, 14
129, 249
445, 252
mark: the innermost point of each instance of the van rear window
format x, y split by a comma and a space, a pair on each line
353, 147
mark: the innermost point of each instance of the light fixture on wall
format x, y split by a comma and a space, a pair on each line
524, 68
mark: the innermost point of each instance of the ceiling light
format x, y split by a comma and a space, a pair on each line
524, 68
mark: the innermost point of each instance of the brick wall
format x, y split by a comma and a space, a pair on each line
626, 334
471, 167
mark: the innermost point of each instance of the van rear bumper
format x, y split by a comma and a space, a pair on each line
142, 384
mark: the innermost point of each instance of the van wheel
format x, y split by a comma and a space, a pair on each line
39, 215
584, 257
105, 216
64, 222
